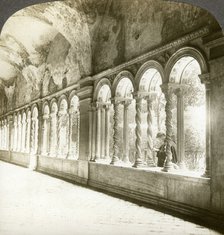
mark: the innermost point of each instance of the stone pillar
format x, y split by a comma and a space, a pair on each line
82, 119
19, 132
5, 134
126, 132
90, 131
70, 133
15, 134
107, 132
44, 150
138, 132
180, 127
102, 155
0, 134
115, 158
205, 78
150, 161
10, 131
98, 133
23, 145
28, 126
93, 142
53, 134
77, 117
168, 92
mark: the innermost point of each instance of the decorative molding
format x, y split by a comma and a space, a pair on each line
189, 37
110, 73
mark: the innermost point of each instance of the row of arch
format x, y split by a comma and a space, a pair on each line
151, 80
57, 123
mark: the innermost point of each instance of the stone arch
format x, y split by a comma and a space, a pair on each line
152, 64
46, 108
186, 51
63, 103
98, 85
34, 110
119, 77
54, 105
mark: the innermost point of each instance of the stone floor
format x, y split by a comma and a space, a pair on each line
37, 204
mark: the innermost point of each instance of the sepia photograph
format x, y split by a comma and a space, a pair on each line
111, 117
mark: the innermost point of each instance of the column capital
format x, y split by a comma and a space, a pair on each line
126, 102
151, 96
169, 88
116, 100
181, 90
205, 78
138, 96
45, 116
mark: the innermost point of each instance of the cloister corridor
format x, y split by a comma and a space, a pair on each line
37, 204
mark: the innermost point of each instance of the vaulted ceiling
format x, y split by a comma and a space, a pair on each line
28, 31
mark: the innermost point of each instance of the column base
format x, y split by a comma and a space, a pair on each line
150, 162
168, 167
182, 166
115, 160
206, 174
139, 164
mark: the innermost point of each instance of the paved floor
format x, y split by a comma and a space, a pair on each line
35, 204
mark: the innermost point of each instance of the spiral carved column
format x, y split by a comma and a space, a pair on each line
59, 144
53, 134
150, 161
168, 91
107, 132
70, 144
126, 131
28, 120
32, 138
138, 132
19, 134
45, 135
115, 157
23, 146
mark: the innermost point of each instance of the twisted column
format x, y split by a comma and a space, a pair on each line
15, 134
138, 132
53, 134
168, 91
59, 150
126, 132
19, 132
44, 134
10, 130
23, 146
32, 142
28, 124
115, 157
107, 132
150, 161
3, 136
70, 142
